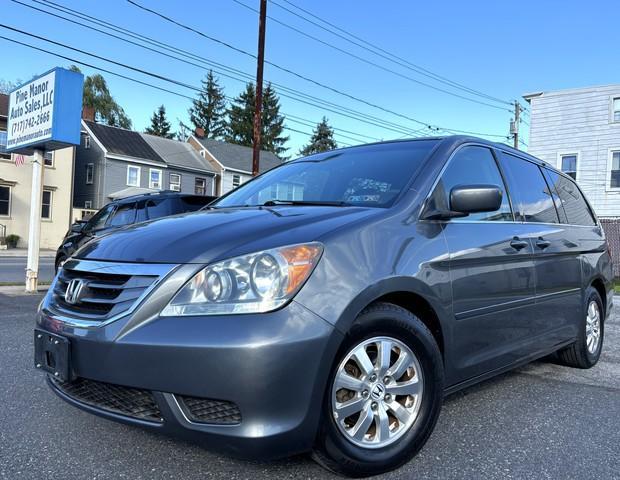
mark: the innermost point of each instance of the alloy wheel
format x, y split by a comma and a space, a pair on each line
377, 392
593, 327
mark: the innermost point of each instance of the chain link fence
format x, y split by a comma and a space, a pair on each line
612, 233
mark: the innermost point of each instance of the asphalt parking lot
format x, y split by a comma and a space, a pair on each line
542, 421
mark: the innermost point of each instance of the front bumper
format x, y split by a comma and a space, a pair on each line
273, 367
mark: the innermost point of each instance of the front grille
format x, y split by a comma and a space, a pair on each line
108, 289
131, 402
206, 410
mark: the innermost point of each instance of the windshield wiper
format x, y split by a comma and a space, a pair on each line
321, 203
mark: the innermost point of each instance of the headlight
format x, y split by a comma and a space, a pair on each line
254, 283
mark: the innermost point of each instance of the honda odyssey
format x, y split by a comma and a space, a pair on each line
329, 305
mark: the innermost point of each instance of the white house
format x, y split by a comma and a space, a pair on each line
578, 131
16, 185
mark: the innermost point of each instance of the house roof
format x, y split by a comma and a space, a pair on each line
118, 141
180, 154
4, 105
130, 192
238, 157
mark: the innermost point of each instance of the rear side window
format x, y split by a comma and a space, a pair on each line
571, 200
123, 215
530, 193
472, 166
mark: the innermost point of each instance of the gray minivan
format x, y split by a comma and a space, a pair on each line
331, 303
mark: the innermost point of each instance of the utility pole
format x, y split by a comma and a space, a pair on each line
515, 126
260, 60
34, 232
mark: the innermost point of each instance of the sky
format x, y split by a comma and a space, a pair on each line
499, 48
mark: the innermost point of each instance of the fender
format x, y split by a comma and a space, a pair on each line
441, 306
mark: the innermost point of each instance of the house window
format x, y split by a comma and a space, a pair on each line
3, 139
88, 204
90, 173
5, 200
569, 165
133, 176
236, 181
87, 141
200, 186
614, 180
46, 205
175, 182
615, 109
48, 159
155, 178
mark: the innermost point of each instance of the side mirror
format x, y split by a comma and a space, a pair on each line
77, 227
468, 199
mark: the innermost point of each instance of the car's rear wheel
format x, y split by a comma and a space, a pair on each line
384, 396
585, 352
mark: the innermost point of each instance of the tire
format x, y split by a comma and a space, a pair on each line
390, 325
578, 355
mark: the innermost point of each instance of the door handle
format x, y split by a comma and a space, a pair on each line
518, 244
542, 243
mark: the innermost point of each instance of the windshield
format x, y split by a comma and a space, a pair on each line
370, 176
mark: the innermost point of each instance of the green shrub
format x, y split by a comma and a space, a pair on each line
11, 240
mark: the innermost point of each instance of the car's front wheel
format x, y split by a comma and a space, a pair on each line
384, 396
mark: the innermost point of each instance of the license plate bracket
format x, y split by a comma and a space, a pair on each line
52, 354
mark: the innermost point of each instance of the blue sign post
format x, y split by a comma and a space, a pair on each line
44, 114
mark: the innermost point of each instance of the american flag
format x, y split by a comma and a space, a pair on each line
19, 160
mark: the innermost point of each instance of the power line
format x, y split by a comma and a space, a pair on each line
382, 52
295, 94
357, 57
125, 77
320, 103
315, 82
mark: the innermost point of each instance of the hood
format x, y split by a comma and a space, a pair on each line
205, 236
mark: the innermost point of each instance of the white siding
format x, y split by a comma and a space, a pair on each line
227, 179
579, 121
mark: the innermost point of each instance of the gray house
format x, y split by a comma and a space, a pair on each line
114, 163
233, 163
578, 131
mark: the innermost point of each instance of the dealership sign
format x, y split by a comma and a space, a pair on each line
45, 113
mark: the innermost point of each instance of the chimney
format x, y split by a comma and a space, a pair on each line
88, 113
199, 132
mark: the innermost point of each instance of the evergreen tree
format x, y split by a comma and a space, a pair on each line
209, 109
241, 120
241, 117
272, 138
98, 97
322, 139
160, 125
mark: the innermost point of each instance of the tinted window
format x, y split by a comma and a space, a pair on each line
529, 190
551, 177
123, 215
472, 166
571, 200
372, 176
141, 215
159, 208
100, 218
190, 204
